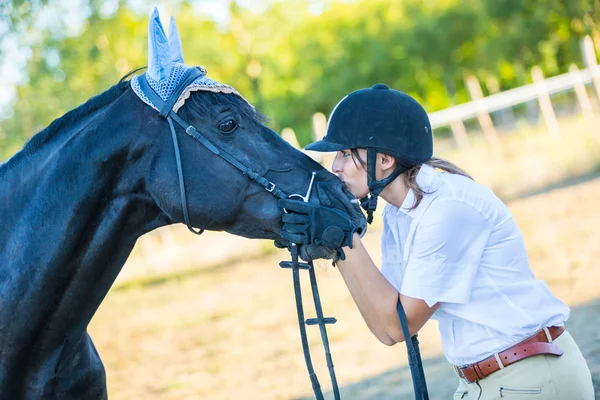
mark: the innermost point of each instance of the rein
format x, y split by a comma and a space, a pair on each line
166, 111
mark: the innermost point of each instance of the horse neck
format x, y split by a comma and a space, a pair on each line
74, 213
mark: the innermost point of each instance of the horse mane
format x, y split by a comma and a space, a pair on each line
41, 138
205, 102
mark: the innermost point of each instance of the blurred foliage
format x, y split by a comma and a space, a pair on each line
18, 14
291, 63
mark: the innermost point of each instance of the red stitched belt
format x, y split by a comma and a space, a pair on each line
532, 346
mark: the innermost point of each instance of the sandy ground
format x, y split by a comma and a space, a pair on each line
230, 332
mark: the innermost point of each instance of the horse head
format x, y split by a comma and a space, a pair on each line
228, 144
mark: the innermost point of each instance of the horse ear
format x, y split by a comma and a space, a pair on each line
159, 58
175, 43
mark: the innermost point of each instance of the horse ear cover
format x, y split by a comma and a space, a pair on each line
175, 50
159, 53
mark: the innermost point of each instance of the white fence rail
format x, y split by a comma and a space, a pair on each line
541, 89
509, 98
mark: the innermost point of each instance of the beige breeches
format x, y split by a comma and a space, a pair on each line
539, 377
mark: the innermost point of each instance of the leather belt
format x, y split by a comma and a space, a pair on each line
533, 345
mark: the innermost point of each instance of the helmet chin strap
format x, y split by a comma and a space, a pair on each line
369, 202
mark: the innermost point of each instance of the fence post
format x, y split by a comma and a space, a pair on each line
460, 134
589, 57
319, 125
582, 95
545, 103
507, 115
482, 115
290, 136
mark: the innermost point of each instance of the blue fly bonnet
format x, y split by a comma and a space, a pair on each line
166, 67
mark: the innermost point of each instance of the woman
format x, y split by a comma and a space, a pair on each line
450, 251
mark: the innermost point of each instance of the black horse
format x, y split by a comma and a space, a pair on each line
75, 199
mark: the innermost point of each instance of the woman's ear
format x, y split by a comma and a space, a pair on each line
386, 161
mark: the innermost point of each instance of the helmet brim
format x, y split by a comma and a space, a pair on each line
323, 146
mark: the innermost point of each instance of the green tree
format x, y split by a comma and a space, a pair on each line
292, 63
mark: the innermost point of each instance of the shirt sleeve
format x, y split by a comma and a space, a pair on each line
447, 248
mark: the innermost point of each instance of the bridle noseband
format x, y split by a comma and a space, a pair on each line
165, 109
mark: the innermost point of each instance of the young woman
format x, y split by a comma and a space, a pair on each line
451, 251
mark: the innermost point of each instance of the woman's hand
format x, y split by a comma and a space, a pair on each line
306, 223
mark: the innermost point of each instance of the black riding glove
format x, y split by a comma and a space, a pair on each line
307, 223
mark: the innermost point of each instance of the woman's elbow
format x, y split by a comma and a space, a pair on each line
394, 334
390, 339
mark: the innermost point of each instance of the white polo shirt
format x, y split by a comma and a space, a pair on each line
462, 248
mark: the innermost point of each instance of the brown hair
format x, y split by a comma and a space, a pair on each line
410, 175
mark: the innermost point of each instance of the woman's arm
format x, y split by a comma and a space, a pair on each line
377, 299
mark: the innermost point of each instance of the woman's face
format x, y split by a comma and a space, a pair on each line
351, 172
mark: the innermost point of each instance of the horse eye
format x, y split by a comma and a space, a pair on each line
228, 126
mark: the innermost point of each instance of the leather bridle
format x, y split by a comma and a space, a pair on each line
165, 109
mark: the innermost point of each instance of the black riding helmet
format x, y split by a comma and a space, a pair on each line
382, 120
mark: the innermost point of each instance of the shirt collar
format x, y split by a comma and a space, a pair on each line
425, 179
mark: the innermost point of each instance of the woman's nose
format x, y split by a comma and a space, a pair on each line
337, 164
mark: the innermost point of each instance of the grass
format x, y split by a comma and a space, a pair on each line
228, 330
142, 281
